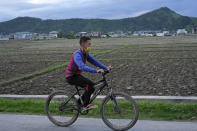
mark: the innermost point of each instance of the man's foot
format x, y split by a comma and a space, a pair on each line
89, 107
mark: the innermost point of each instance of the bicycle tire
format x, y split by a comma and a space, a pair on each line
107, 120
52, 119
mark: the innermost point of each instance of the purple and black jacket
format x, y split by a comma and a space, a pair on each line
78, 64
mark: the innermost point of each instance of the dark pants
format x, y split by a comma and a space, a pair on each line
83, 82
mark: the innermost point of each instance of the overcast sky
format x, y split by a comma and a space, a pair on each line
108, 9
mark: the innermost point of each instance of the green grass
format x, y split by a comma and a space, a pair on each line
148, 110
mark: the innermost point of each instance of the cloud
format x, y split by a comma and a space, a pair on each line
110, 9
44, 1
138, 13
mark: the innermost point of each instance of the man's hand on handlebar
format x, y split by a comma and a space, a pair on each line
103, 71
100, 71
109, 68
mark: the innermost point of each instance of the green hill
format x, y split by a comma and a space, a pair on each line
160, 19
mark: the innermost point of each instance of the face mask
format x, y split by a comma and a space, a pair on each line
88, 49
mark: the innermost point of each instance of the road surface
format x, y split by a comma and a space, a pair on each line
12, 122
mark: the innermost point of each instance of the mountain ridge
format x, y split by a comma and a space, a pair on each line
159, 19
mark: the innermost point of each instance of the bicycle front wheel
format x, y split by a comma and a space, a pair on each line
119, 111
60, 110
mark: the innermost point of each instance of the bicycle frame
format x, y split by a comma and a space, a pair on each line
96, 92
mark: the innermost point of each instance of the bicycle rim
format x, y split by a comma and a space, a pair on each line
61, 115
122, 117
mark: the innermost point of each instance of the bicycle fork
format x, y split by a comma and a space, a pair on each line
114, 102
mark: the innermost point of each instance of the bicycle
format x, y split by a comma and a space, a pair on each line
115, 107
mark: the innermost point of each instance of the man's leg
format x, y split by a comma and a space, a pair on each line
83, 82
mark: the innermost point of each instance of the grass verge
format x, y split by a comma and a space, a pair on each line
148, 110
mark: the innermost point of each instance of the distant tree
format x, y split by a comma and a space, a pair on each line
70, 35
189, 28
61, 35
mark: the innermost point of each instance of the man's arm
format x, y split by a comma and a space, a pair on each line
95, 62
78, 60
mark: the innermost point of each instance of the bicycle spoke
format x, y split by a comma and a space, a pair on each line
119, 113
61, 111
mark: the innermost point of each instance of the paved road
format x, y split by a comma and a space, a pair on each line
10, 122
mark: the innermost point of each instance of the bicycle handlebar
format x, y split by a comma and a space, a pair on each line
106, 72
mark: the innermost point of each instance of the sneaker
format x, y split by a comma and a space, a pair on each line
88, 107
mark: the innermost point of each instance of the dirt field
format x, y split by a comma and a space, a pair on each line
142, 66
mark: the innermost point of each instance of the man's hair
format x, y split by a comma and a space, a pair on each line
84, 39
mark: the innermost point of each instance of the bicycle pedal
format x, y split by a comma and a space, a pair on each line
84, 112
85, 109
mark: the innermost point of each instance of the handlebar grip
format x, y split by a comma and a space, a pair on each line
105, 72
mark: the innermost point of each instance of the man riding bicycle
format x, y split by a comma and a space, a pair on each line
56, 109
77, 65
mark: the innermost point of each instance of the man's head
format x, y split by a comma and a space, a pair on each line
85, 43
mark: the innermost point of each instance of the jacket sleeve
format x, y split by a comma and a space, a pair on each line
82, 66
95, 62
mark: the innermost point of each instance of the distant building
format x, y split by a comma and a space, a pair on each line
129, 33
103, 36
53, 34
114, 35
4, 37
152, 33
29, 36
145, 33
80, 34
141, 33
11, 36
149, 34
166, 33
181, 32
23, 36
123, 34
43, 36
95, 34
117, 34
160, 34
35, 36
194, 30
135, 34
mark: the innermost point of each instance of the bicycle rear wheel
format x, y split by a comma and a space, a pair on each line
119, 112
59, 110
